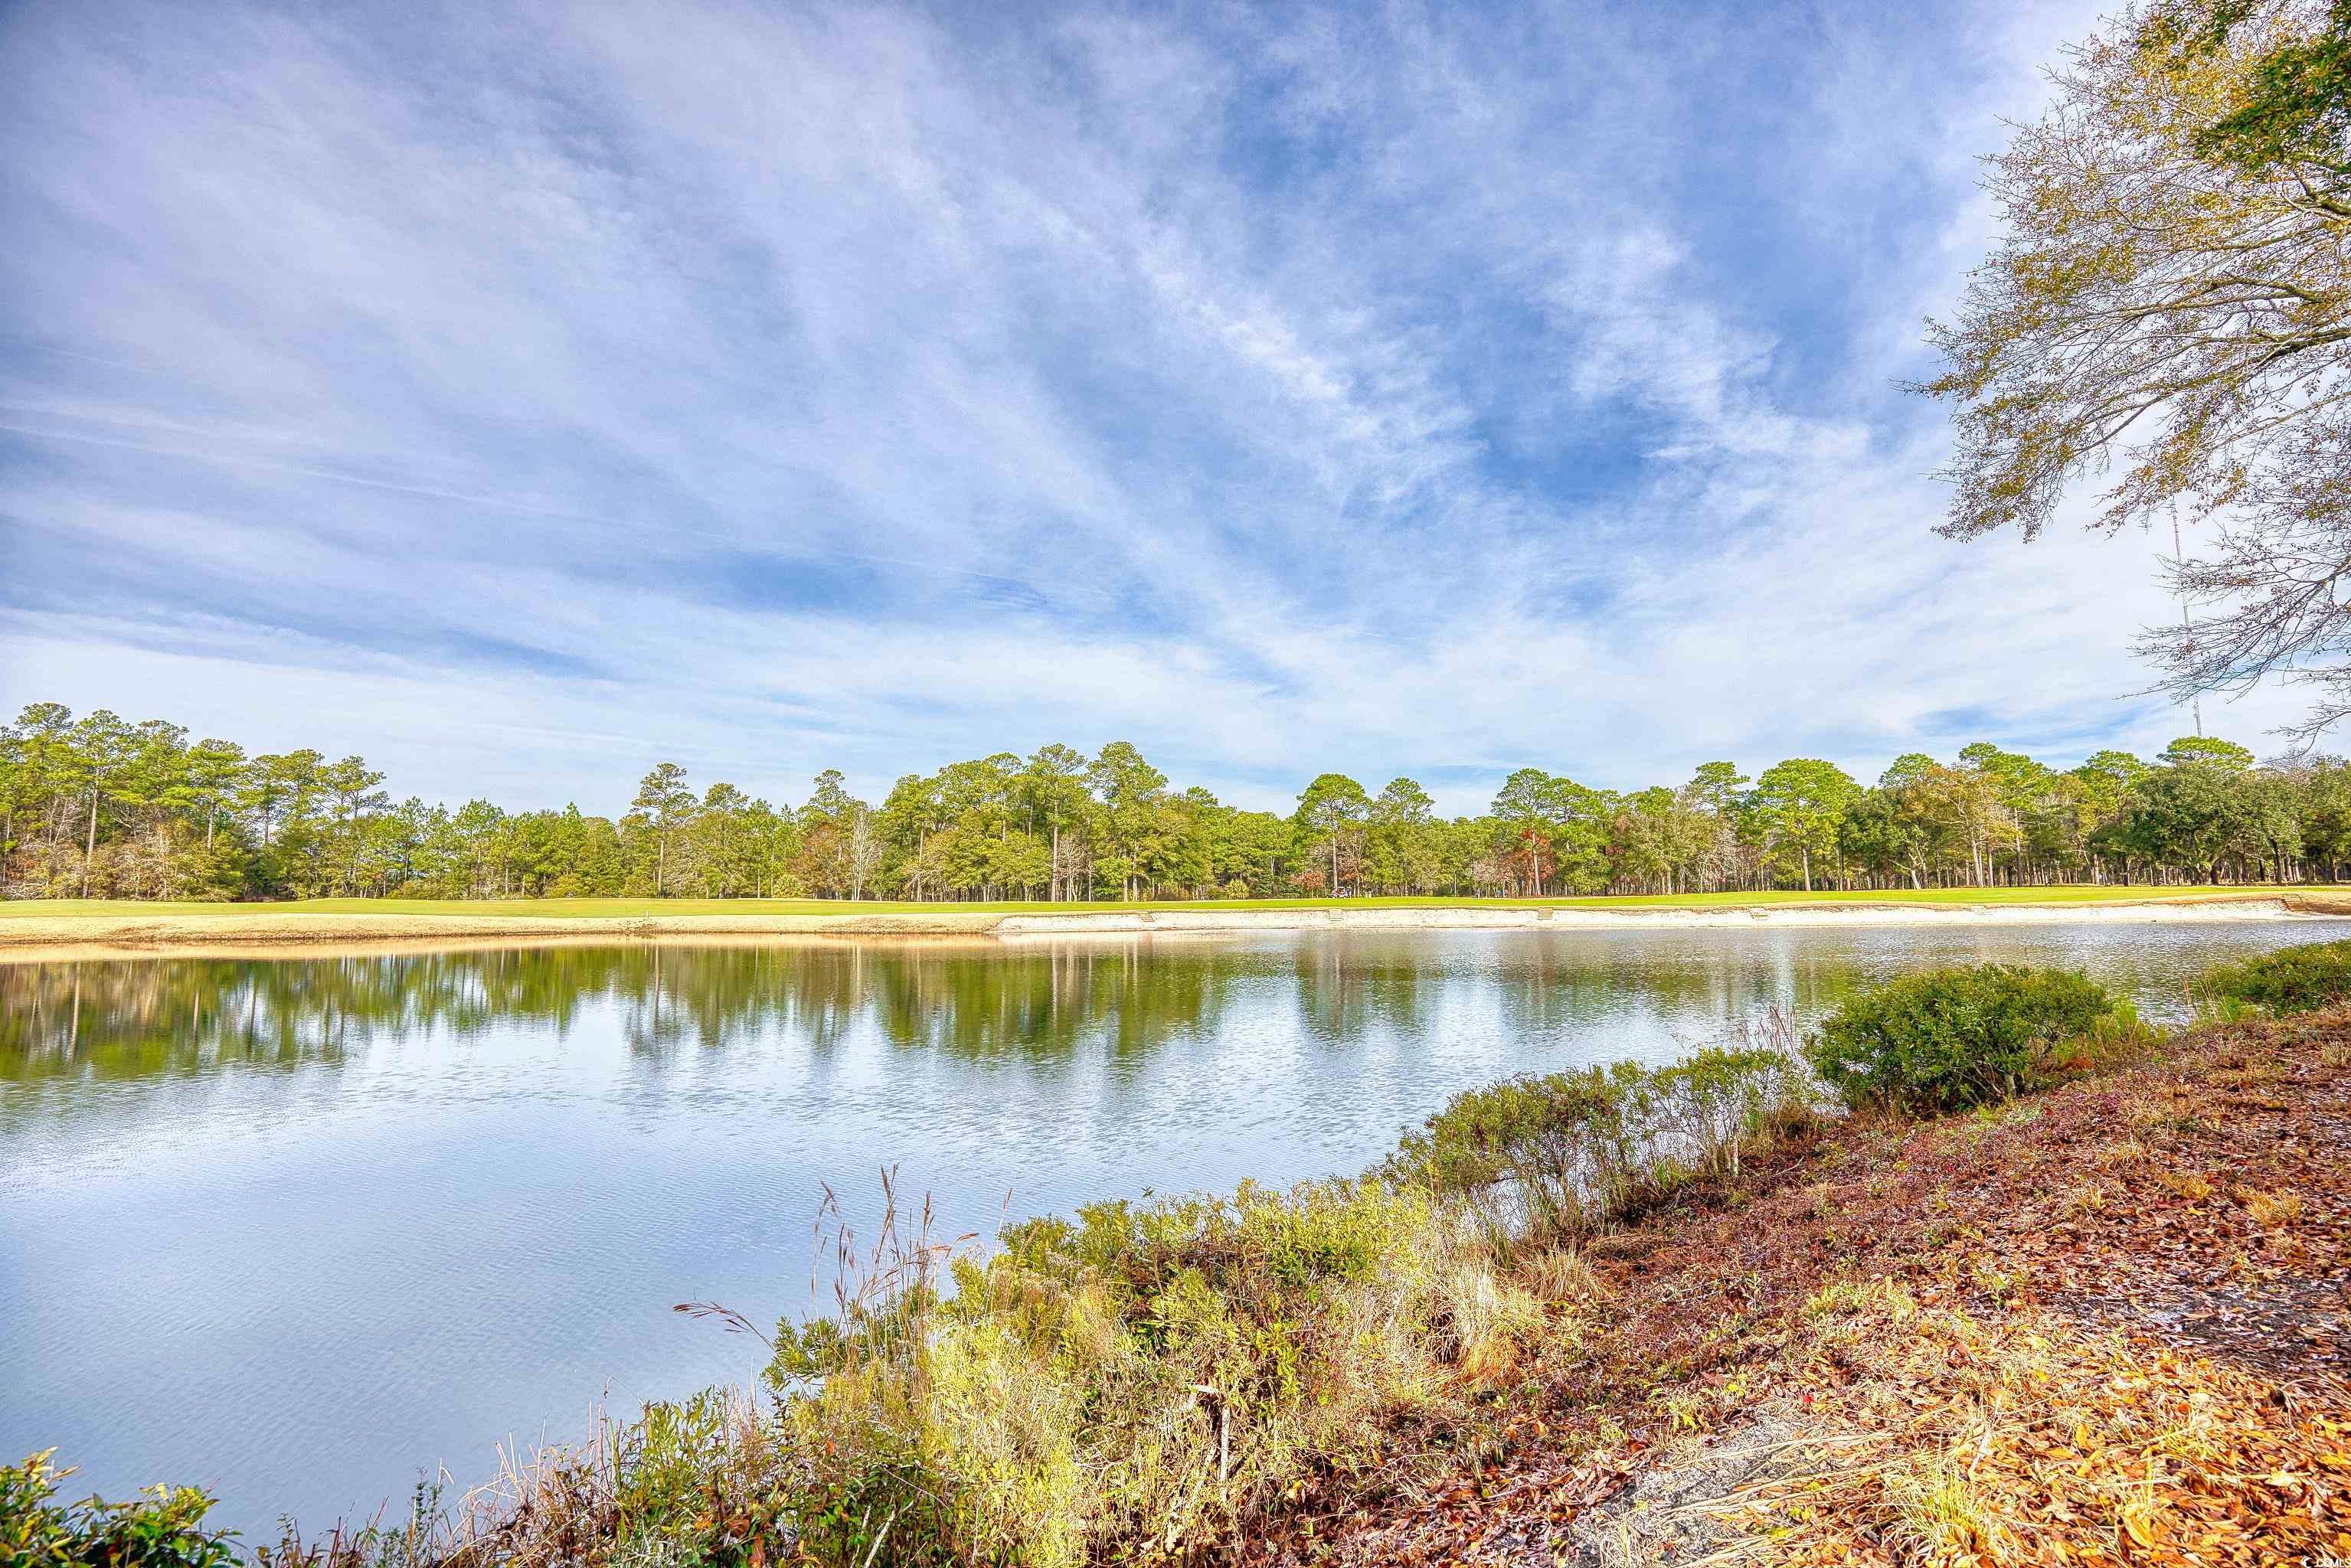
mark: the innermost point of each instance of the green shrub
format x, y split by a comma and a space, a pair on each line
1946, 1039
1538, 1156
2290, 980
1558, 1156
160, 1529
1715, 1102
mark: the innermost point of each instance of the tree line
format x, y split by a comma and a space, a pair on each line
100, 806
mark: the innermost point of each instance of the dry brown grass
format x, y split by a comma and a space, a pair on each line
2268, 1208
1561, 1274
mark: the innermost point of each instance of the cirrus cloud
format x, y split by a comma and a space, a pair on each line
520, 395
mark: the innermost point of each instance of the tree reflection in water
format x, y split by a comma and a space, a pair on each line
155, 1017
127, 1018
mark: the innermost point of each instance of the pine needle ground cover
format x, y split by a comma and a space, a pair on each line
2106, 1324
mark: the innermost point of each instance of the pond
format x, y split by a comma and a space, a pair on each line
301, 1229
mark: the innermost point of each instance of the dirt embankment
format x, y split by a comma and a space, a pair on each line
2111, 1324
247, 927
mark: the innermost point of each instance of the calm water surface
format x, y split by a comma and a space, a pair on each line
297, 1229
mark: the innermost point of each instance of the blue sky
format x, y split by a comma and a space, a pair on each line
522, 395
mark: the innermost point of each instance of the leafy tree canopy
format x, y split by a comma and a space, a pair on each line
2169, 311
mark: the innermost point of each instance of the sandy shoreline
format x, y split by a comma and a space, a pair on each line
259, 930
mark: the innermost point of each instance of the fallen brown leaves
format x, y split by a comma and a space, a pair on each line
2108, 1325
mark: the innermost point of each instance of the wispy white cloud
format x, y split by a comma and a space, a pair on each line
523, 394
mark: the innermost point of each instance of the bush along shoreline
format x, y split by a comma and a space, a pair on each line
1295, 1376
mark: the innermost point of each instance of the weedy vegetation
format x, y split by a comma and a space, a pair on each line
1560, 1156
1136, 1380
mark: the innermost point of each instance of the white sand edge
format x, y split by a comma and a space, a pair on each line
1738, 917
30, 938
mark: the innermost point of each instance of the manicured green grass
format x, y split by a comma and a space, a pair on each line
644, 908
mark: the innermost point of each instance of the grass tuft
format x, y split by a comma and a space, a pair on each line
2269, 1210
1943, 1515
1562, 1274
2185, 1184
